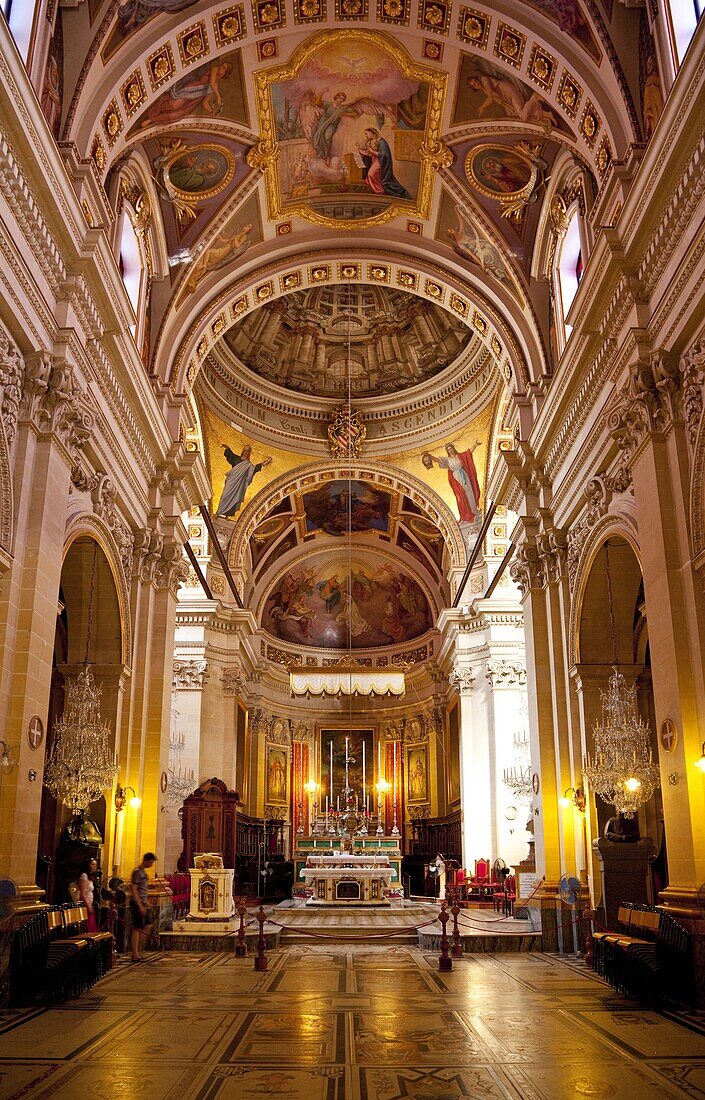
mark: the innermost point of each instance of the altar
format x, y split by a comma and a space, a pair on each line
343, 878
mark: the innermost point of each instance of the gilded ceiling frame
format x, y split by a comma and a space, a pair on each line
433, 153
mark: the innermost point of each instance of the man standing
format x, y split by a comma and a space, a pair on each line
139, 909
462, 477
238, 479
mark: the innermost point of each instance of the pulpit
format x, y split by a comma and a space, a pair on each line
209, 824
211, 888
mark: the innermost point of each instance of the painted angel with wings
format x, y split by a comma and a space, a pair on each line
320, 118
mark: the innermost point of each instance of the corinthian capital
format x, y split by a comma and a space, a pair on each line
646, 403
54, 401
462, 679
692, 370
527, 570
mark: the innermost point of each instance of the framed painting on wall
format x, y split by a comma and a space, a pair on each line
277, 762
453, 756
417, 774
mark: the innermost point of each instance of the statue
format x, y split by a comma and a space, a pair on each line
622, 830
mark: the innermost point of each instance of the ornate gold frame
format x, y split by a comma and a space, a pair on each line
433, 153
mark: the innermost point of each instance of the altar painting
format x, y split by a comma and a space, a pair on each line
417, 774
352, 117
335, 738
277, 763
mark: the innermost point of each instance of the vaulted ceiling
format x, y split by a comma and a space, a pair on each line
349, 199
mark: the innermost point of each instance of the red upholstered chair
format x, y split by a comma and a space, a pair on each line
482, 872
510, 895
461, 884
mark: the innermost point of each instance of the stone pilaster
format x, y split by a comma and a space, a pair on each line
52, 422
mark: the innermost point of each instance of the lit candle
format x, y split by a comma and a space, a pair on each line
379, 759
331, 770
363, 771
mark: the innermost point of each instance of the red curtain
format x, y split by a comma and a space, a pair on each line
299, 764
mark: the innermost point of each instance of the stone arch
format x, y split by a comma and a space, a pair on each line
611, 525
7, 510
87, 525
501, 325
401, 481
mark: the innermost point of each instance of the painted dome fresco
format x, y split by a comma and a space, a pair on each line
393, 340
341, 601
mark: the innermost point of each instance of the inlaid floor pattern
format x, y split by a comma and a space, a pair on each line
350, 1023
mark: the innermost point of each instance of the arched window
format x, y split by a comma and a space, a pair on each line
20, 19
683, 19
130, 264
568, 271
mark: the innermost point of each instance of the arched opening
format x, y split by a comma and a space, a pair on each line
88, 629
613, 631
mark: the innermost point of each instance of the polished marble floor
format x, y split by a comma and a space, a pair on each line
350, 1023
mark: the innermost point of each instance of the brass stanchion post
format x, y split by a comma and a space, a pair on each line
444, 962
241, 946
457, 951
260, 957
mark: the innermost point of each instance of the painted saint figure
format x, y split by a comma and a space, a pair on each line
462, 478
238, 479
378, 167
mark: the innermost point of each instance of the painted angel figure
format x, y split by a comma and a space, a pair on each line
320, 118
468, 243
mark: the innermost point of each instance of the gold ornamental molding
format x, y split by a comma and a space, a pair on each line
432, 153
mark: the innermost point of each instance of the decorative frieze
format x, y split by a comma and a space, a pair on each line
189, 675
103, 494
11, 371
420, 812
598, 496
279, 731
503, 673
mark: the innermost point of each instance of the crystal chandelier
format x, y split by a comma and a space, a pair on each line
518, 777
81, 763
180, 781
622, 771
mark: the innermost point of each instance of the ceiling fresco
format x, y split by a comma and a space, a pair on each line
350, 200
339, 600
370, 340
352, 117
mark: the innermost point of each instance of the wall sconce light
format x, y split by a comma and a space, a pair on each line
701, 762
7, 760
121, 798
573, 796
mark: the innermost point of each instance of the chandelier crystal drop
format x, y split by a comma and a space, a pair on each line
622, 771
181, 782
81, 763
518, 777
